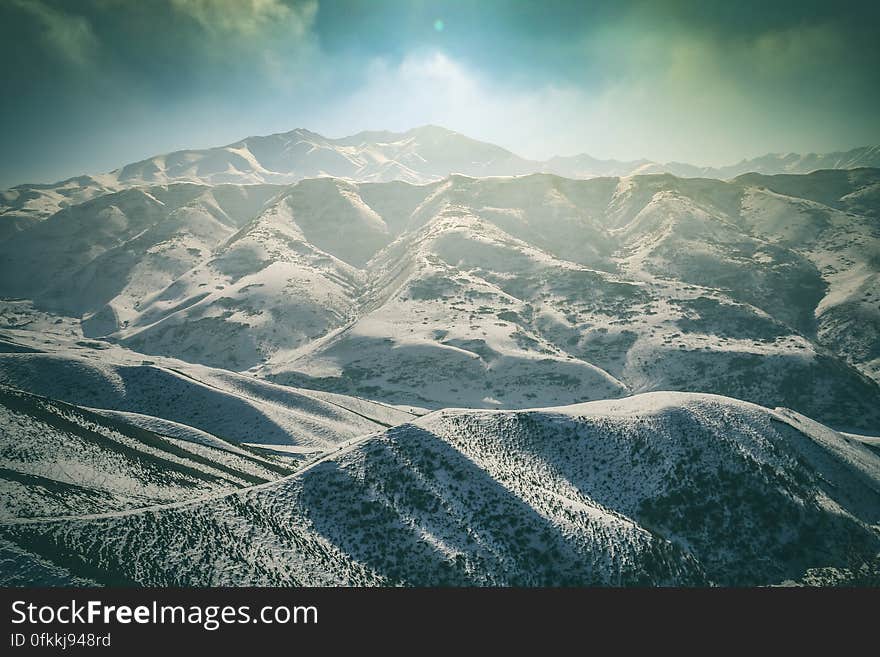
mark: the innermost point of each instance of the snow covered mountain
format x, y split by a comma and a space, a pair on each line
420, 155
584, 166
776, 163
657, 489
491, 292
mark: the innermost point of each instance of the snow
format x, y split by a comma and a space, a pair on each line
413, 359
460, 495
457, 292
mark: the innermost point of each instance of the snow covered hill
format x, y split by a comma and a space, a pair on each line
60, 459
123, 245
181, 399
661, 488
233, 407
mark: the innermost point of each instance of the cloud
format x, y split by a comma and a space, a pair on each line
689, 93
69, 36
432, 87
274, 37
665, 96
249, 18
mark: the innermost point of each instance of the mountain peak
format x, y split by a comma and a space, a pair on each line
303, 132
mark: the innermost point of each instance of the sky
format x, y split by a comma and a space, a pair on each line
90, 85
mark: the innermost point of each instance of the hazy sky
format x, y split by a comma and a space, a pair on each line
88, 85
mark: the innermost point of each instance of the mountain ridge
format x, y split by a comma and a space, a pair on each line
628, 492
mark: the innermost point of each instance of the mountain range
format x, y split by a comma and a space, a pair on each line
419, 155
418, 359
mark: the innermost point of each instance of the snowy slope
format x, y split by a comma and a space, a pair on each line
58, 459
26, 205
660, 488
102, 257
232, 407
841, 238
440, 338
266, 290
